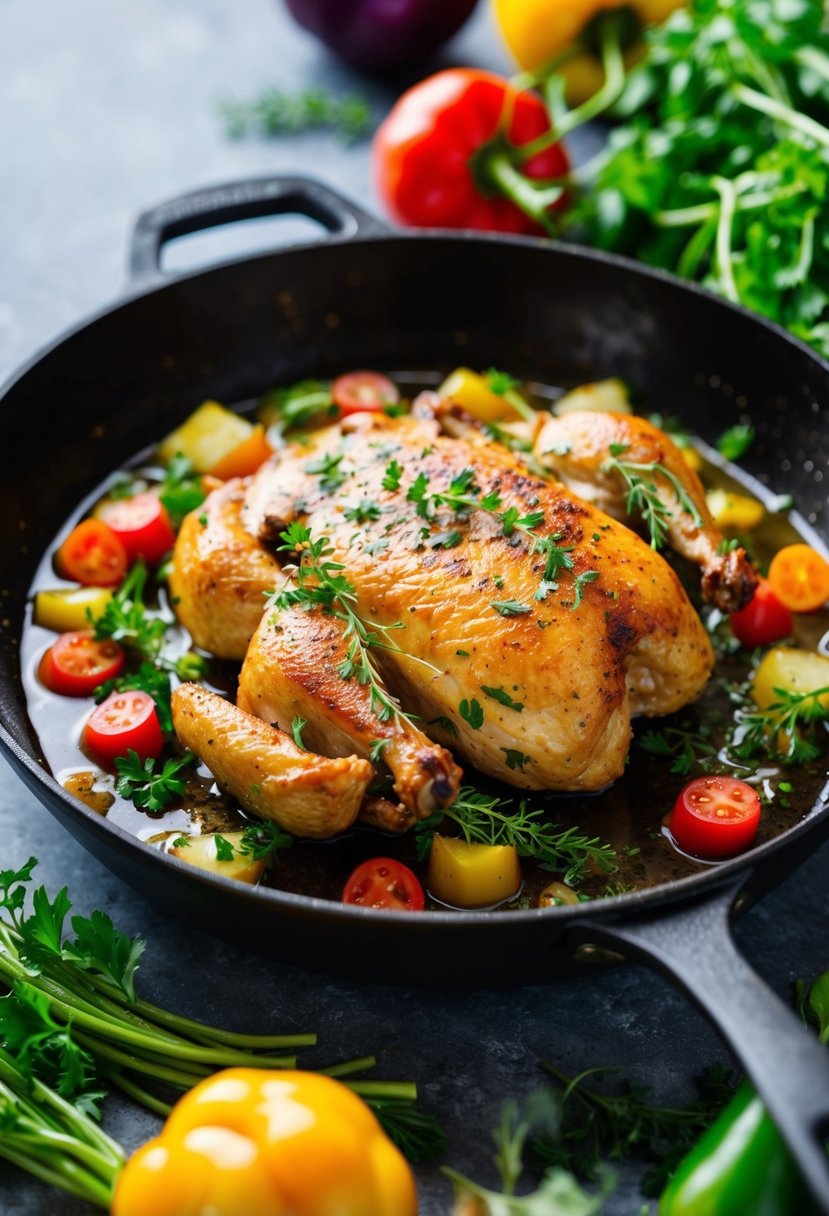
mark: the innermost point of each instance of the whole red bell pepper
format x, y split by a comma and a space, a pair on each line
466, 149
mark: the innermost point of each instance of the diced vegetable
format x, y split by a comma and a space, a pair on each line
763, 620
382, 882
125, 721
76, 663
220, 854
793, 671
141, 523
557, 893
70, 608
799, 577
246, 458
734, 512
472, 875
358, 392
93, 555
603, 397
472, 393
209, 435
715, 816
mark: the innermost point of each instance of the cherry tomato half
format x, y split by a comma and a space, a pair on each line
799, 577
124, 721
76, 664
358, 391
715, 817
142, 524
383, 882
763, 620
430, 154
93, 555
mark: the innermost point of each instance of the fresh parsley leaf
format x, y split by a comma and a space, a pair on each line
127, 620
13, 888
181, 490
503, 698
297, 405
139, 781
224, 848
100, 947
445, 724
365, 511
297, 726
328, 467
472, 712
392, 476
43, 929
263, 840
736, 441
516, 759
510, 607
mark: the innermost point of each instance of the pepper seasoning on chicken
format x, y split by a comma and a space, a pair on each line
521, 625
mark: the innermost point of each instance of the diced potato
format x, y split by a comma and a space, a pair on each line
472, 875
209, 435
245, 458
66, 608
200, 851
556, 894
472, 393
734, 512
604, 397
793, 670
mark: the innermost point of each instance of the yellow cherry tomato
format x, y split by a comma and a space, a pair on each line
537, 31
791, 670
734, 512
67, 609
472, 875
255, 1143
799, 577
207, 437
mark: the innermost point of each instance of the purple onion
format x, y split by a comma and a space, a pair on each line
381, 33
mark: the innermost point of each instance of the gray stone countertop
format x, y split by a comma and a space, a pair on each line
104, 110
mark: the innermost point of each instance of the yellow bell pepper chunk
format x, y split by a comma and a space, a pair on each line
472, 875
793, 670
202, 852
248, 1142
472, 393
734, 512
69, 608
209, 435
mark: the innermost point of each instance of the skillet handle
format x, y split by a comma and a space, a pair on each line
252, 198
693, 946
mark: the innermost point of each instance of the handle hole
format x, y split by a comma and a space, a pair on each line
198, 249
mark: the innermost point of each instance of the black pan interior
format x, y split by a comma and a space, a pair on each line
552, 314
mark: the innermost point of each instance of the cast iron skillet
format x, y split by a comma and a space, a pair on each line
367, 296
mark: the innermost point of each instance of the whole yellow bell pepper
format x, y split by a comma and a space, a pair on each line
255, 1143
540, 31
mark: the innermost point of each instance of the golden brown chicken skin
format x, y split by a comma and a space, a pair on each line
530, 679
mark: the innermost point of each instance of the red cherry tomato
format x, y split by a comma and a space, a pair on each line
434, 155
359, 391
383, 882
715, 816
142, 524
93, 555
76, 664
763, 620
124, 721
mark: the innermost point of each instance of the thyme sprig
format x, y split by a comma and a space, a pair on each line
782, 731
320, 583
487, 819
643, 496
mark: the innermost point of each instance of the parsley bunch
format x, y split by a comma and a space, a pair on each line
719, 170
71, 1024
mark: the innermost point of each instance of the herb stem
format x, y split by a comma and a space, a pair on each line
782, 113
725, 228
140, 1095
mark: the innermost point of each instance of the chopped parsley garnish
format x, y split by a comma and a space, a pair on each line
502, 697
516, 759
510, 607
328, 467
297, 405
145, 787
224, 848
297, 727
392, 476
181, 490
472, 712
263, 840
366, 511
126, 619
736, 441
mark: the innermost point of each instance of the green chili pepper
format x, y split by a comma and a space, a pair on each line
739, 1166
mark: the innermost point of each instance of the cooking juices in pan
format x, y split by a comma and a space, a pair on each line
608, 843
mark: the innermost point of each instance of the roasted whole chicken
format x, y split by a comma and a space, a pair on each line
420, 597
